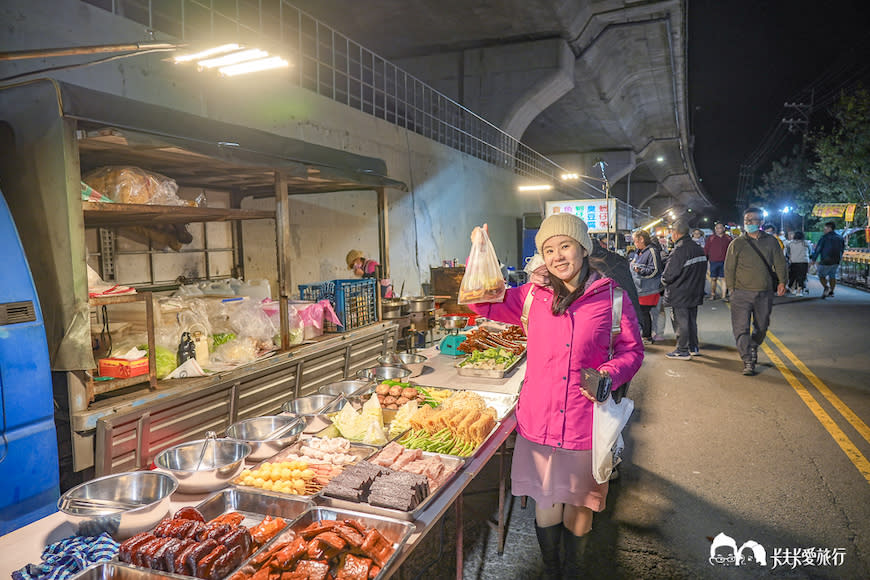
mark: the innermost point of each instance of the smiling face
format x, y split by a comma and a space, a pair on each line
563, 256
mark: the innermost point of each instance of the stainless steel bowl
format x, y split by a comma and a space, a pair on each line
412, 362
266, 435
453, 322
222, 461
310, 405
382, 373
122, 504
346, 388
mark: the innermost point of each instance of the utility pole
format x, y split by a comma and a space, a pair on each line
802, 122
601, 164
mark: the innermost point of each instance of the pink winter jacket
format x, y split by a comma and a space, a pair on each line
551, 411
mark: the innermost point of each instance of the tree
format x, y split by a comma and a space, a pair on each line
842, 168
787, 184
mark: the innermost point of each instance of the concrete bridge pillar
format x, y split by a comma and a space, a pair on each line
508, 85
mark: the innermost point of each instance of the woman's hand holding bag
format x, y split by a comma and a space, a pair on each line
483, 281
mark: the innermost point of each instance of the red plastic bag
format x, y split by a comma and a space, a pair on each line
482, 281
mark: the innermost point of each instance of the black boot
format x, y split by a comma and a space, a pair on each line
549, 539
575, 546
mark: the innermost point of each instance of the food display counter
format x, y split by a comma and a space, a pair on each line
25, 545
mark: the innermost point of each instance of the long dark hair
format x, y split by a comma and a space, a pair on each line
562, 298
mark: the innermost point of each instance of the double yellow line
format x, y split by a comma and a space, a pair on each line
849, 448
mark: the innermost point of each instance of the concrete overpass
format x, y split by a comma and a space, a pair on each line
577, 81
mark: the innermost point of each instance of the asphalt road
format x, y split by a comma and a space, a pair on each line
767, 458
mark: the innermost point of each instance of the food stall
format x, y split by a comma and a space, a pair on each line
52, 135
305, 509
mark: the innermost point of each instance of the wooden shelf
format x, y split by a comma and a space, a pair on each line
99, 387
128, 214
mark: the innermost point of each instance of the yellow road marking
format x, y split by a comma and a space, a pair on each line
830, 426
837, 403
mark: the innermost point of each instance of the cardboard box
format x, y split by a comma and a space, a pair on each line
123, 369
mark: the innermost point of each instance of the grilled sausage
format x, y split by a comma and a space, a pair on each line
205, 564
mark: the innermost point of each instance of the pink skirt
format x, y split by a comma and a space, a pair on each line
551, 475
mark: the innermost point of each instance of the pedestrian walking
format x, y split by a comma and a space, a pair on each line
754, 270
715, 249
828, 253
797, 253
698, 237
684, 277
569, 329
646, 270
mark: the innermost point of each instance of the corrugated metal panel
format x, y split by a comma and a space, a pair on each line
130, 441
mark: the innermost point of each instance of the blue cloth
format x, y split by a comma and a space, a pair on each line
68, 557
717, 269
831, 271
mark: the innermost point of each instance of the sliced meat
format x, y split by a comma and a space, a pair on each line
291, 553
376, 547
213, 531
199, 551
317, 527
226, 563
125, 550
389, 454
238, 537
325, 546
355, 568
207, 562
189, 513
231, 518
316, 569
349, 535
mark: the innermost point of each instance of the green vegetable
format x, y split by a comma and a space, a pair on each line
221, 338
165, 360
496, 355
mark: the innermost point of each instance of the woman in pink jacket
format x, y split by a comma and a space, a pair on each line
568, 330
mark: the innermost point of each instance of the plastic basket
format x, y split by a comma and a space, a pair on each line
354, 301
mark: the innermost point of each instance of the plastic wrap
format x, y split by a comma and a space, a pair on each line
134, 185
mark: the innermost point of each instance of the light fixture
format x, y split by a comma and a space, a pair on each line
651, 224
233, 58
203, 54
570, 176
786, 209
764, 213
543, 187
660, 159
253, 66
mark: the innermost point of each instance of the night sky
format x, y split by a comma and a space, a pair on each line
746, 58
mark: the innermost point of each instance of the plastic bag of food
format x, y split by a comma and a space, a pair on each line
236, 351
482, 281
134, 185
249, 319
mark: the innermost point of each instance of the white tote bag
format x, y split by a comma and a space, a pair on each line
608, 421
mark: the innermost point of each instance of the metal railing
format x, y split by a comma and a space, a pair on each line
334, 66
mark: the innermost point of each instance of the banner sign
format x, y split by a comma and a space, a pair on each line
592, 211
830, 210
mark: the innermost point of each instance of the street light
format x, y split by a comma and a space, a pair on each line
782, 213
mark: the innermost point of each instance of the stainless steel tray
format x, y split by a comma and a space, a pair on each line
452, 463
119, 571
254, 505
394, 531
358, 450
487, 373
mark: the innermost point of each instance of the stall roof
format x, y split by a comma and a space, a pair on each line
201, 152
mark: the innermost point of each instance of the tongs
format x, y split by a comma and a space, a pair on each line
97, 504
280, 431
210, 436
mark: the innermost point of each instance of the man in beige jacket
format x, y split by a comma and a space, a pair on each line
754, 269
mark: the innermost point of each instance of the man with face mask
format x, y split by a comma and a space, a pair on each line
754, 269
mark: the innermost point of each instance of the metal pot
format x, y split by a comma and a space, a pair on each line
421, 303
394, 307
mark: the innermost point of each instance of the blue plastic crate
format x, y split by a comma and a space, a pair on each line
354, 301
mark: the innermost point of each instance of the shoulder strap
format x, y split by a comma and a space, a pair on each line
527, 305
763, 259
616, 295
